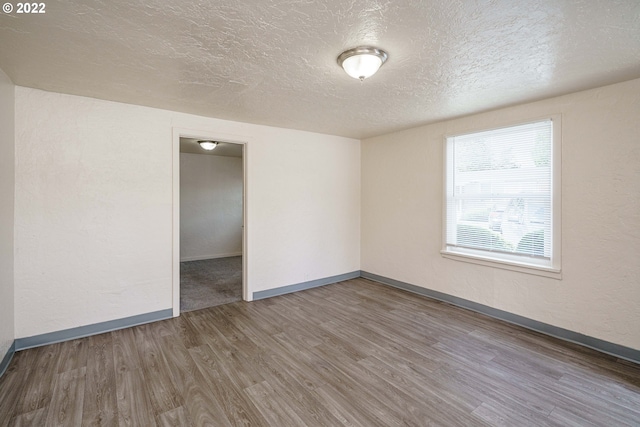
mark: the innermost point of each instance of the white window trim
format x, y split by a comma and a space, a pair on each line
479, 257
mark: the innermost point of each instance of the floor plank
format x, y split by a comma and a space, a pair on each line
12, 386
174, 418
34, 418
200, 405
100, 404
275, 410
38, 392
233, 402
67, 400
162, 393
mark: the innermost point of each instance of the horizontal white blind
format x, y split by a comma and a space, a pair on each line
499, 191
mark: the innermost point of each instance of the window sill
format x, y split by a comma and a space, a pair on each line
488, 262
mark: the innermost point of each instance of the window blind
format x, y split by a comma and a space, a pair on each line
499, 192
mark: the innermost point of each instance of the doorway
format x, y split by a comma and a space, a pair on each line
209, 223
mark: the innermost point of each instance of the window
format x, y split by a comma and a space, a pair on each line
502, 191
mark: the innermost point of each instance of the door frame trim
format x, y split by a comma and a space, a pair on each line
247, 293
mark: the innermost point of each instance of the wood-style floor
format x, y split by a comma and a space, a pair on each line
355, 353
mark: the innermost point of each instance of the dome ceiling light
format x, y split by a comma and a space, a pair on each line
362, 62
208, 145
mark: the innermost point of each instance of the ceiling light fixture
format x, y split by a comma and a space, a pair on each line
362, 62
208, 145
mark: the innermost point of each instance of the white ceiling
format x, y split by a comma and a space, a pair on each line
224, 149
274, 61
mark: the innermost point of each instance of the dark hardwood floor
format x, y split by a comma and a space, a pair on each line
354, 353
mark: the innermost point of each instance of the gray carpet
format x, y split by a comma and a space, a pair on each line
210, 282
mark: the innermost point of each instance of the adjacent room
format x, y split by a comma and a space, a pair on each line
211, 223
320, 213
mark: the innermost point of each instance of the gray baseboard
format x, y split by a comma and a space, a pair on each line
612, 349
88, 330
4, 364
305, 285
607, 347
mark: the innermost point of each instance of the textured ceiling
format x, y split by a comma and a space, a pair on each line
274, 61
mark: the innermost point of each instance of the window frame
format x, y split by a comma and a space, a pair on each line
514, 263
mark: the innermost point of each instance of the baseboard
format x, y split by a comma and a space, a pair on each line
4, 364
607, 347
305, 285
603, 346
200, 258
88, 330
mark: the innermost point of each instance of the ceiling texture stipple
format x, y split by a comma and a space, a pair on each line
274, 62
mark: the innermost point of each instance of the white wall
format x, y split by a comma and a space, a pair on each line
599, 294
210, 206
94, 208
7, 116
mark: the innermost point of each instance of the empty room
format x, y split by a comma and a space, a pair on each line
285, 213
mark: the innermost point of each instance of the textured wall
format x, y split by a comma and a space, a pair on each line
402, 179
210, 206
94, 208
7, 100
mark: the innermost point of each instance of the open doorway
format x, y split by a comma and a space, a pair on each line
210, 226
